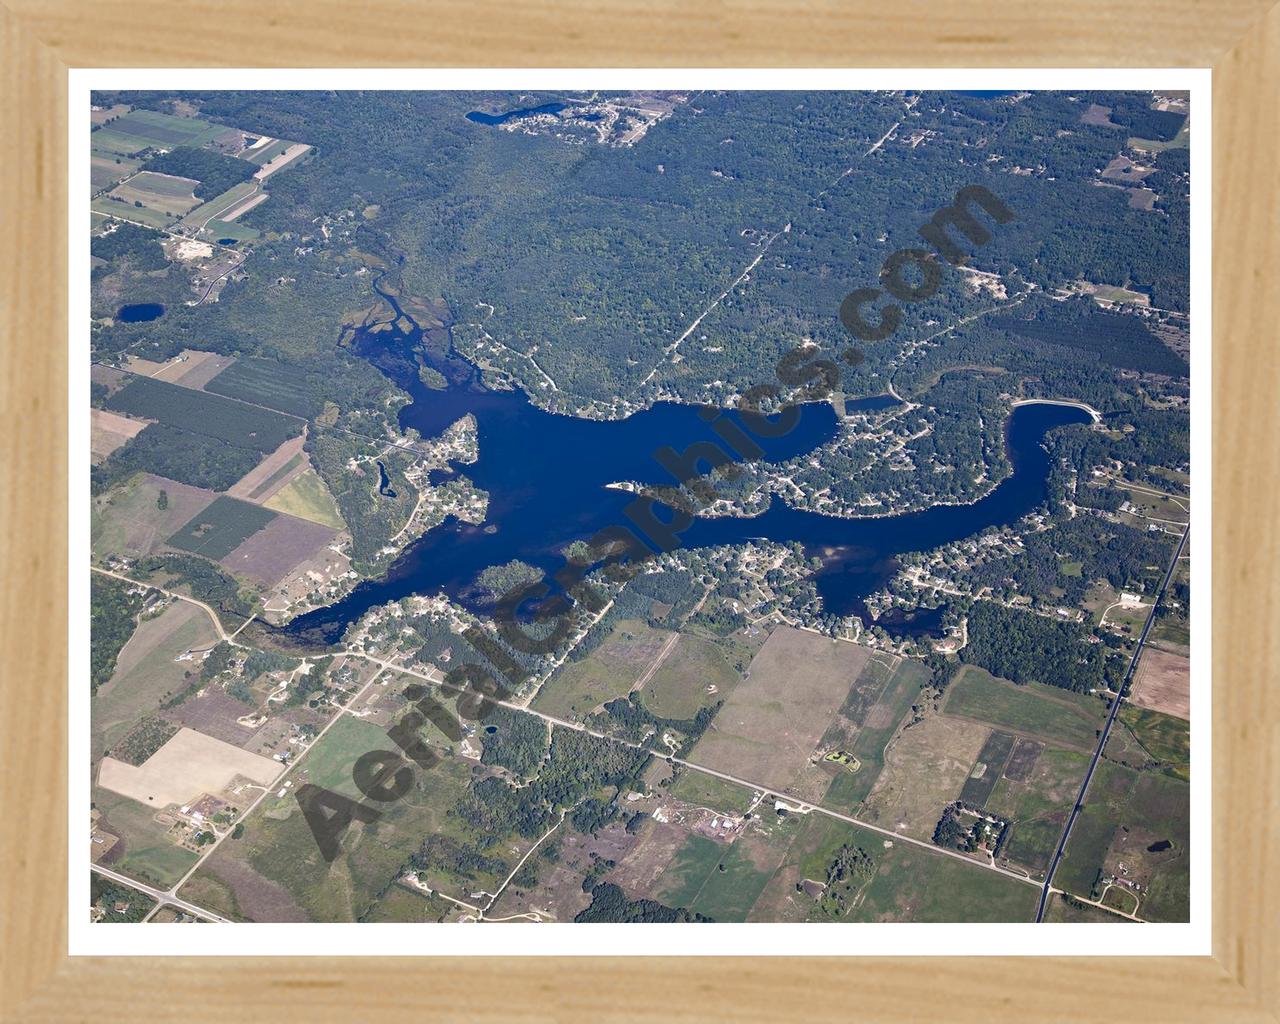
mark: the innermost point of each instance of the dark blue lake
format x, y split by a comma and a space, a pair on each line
547, 478
480, 117
140, 312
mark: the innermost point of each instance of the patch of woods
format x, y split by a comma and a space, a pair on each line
1113, 338
847, 874
139, 245
373, 518
1125, 557
215, 172
143, 740
968, 828
119, 905
517, 742
203, 580
113, 618
638, 723
609, 905
575, 766
1025, 647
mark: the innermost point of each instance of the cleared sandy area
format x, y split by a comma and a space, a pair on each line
189, 765
110, 430
245, 206
288, 156
190, 249
1163, 683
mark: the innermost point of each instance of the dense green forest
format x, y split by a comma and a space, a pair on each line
1025, 647
576, 765
1062, 564
515, 741
575, 247
138, 244
1117, 340
107, 895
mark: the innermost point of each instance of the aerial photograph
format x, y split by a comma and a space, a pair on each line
667, 506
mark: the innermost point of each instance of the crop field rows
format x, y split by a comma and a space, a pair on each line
144, 129
202, 412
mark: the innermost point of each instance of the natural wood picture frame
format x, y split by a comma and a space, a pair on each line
1240, 40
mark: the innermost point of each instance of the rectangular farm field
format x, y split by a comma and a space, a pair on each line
222, 527
264, 382
1049, 713
245, 426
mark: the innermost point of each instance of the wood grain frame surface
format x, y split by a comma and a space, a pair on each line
41, 39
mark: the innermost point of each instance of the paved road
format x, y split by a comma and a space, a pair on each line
1106, 731
161, 895
435, 680
217, 623
807, 806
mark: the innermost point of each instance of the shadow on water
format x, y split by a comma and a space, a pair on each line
547, 476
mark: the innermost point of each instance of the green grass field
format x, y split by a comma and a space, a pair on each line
148, 855
740, 874
902, 687
987, 769
402, 906
204, 214
148, 672
1157, 506
279, 848
127, 211
678, 689
695, 787
692, 863
1127, 812
907, 883
912, 884
1163, 738
610, 671
330, 762
160, 192
1064, 910
1037, 807
221, 528
1049, 713
107, 168
307, 497
816, 840
143, 129
231, 229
